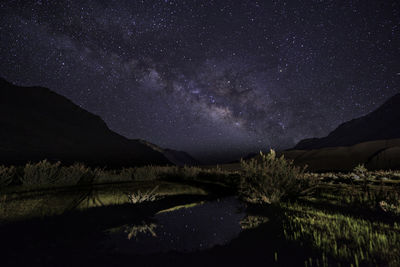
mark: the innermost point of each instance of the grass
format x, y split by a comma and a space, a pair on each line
343, 238
45, 174
22, 205
348, 219
6, 175
339, 218
47, 189
252, 221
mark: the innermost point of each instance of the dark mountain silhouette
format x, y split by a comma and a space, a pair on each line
180, 158
36, 124
381, 124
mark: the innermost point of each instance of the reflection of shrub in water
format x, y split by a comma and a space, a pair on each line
252, 221
144, 228
139, 197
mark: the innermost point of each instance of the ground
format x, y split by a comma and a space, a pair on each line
351, 218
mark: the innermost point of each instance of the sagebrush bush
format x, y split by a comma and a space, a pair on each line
41, 173
45, 173
360, 170
6, 175
270, 179
148, 173
77, 173
189, 172
128, 173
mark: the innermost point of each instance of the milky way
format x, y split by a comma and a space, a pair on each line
218, 79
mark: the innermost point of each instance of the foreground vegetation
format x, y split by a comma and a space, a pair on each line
339, 218
269, 179
342, 237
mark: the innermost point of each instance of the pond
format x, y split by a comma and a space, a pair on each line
149, 233
190, 227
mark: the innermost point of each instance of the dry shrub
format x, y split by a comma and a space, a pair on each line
7, 174
41, 173
270, 179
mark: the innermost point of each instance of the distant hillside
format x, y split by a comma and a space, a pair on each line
381, 124
179, 158
381, 154
36, 123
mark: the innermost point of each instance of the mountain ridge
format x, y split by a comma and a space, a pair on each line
382, 123
37, 123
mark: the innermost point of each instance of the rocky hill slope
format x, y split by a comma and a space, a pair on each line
36, 123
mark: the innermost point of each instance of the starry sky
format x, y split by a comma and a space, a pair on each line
218, 79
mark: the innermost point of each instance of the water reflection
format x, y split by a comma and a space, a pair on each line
184, 228
134, 231
145, 228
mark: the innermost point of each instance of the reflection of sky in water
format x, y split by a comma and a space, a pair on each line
187, 229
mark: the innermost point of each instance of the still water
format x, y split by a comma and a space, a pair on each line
185, 228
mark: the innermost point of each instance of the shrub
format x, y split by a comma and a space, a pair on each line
139, 197
270, 179
6, 175
360, 170
393, 208
148, 173
77, 173
128, 173
46, 173
41, 173
190, 172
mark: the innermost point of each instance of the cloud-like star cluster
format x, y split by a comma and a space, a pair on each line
218, 79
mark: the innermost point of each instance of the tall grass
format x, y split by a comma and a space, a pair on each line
269, 179
45, 173
40, 173
145, 196
252, 221
342, 237
7, 175
148, 173
78, 173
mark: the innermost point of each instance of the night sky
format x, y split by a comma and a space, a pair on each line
218, 79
